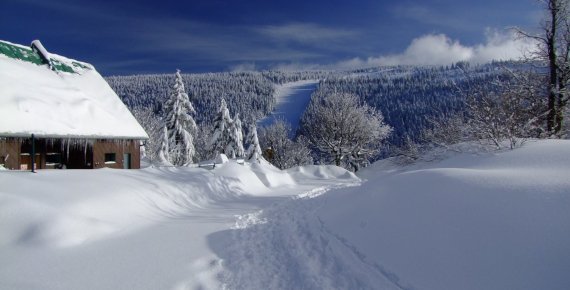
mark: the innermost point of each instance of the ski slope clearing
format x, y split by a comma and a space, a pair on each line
469, 221
291, 101
486, 221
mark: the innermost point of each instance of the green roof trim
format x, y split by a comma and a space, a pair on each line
30, 55
60, 66
21, 53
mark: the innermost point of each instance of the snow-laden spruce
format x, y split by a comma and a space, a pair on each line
235, 148
253, 153
221, 138
180, 125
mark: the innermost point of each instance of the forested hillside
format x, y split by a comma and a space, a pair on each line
409, 97
248, 93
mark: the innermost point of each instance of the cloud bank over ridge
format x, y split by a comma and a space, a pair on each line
439, 49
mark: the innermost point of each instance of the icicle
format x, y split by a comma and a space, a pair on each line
67, 150
85, 151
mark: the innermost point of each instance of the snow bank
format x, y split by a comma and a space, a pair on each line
272, 176
473, 221
35, 99
131, 229
69, 207
321, 172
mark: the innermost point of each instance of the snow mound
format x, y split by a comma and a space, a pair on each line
55, 208
473, 221
239, 179
221, 159
321, 172
271, 176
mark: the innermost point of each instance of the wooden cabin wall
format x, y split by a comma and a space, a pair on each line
10, 153
102, 147
79, 156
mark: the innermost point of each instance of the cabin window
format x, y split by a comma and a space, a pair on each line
53, 159
110, 158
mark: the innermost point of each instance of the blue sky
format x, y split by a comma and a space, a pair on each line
133, 37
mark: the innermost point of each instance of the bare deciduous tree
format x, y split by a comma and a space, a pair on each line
280, 150
554, 51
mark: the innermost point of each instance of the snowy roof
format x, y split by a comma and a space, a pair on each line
53, 96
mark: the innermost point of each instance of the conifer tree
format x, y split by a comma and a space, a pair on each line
180, 124
235, 147
163, 153
253, 153
221, 136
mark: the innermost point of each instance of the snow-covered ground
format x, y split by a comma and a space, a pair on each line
134, 229
469, 221
291, 101
472, 221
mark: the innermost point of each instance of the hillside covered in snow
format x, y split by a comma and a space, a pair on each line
464, 221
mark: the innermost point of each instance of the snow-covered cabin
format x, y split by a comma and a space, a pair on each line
76, 119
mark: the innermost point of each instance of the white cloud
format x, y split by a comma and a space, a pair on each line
439, 49
435, 49
428, 50
501, 46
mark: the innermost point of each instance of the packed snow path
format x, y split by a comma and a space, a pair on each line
291, 101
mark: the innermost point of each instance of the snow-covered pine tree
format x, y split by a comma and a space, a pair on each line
221, 136
235, 147
253, 153
163, 152
180, 124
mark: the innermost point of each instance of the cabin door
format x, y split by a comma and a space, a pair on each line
127, 161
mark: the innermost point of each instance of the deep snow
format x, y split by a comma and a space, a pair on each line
133, 229
469, 221
472, 221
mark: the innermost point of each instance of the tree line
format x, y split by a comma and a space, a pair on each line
410, 108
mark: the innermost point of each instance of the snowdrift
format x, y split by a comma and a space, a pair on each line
472, 221
130, 229
69, 207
